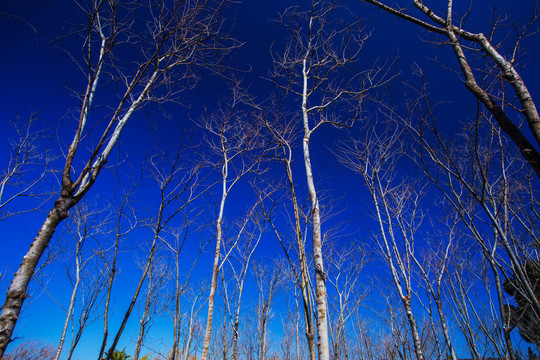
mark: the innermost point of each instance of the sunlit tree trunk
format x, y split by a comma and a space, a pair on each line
185, 35
445, 25
320, 274
240, 151
217, 253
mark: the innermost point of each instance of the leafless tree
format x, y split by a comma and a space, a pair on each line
84, 225
193, 333
180, 235
156, 300
28, 165
125, 222
483, 181
269, 283
91, 297
397, 209
433, 269
284, 135
312, 68
234, 138
502, 69
344, 266
177, 180
31, 350
242, 254
177, 36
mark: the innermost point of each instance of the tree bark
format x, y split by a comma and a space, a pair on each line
16, 293
215, 267
320, 274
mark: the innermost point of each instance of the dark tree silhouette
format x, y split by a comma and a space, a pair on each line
523, 316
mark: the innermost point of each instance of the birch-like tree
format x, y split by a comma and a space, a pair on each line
483, 180
125, 221
155, 301
176, 243
85, 225
176, 36
178, 186
27, 167
397, 212
269, 281
234, 137
510, 102
312, 71
345, 263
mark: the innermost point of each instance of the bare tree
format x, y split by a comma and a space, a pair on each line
284, 135
397, 209
31, 350
180, 235
28, 165
193, 334
483, 181
242, 254
91, 297
178, 36
177, 180
235, 138
126, 221
312, 68
155, 302
84, 225
345, 264
269, 282
465, 44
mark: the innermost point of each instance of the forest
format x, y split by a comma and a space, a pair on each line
269, 180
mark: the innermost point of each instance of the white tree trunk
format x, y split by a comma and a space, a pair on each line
320, 274
215, 268
71, 306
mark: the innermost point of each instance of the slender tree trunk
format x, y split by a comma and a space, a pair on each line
177, 317
213, 287
320, 274
215, 268
240, 292
71, 304
16, 293
190, 330
304, 276
142, 329
109, 287
138, 289
303, 280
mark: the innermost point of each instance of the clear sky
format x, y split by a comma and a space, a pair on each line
39, 76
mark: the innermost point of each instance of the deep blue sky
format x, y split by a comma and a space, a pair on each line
35, 73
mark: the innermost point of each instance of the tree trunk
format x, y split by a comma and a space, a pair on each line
127, 314
71, 305
177, 316
215, 268
16, 293
320, 274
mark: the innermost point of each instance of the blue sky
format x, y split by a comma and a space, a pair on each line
37, 73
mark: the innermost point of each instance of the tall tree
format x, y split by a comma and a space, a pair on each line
178, 35
502, 69
312, 69
85, 225
177, 180
397, 212
235, 139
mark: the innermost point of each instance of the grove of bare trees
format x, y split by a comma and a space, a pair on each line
364, 189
